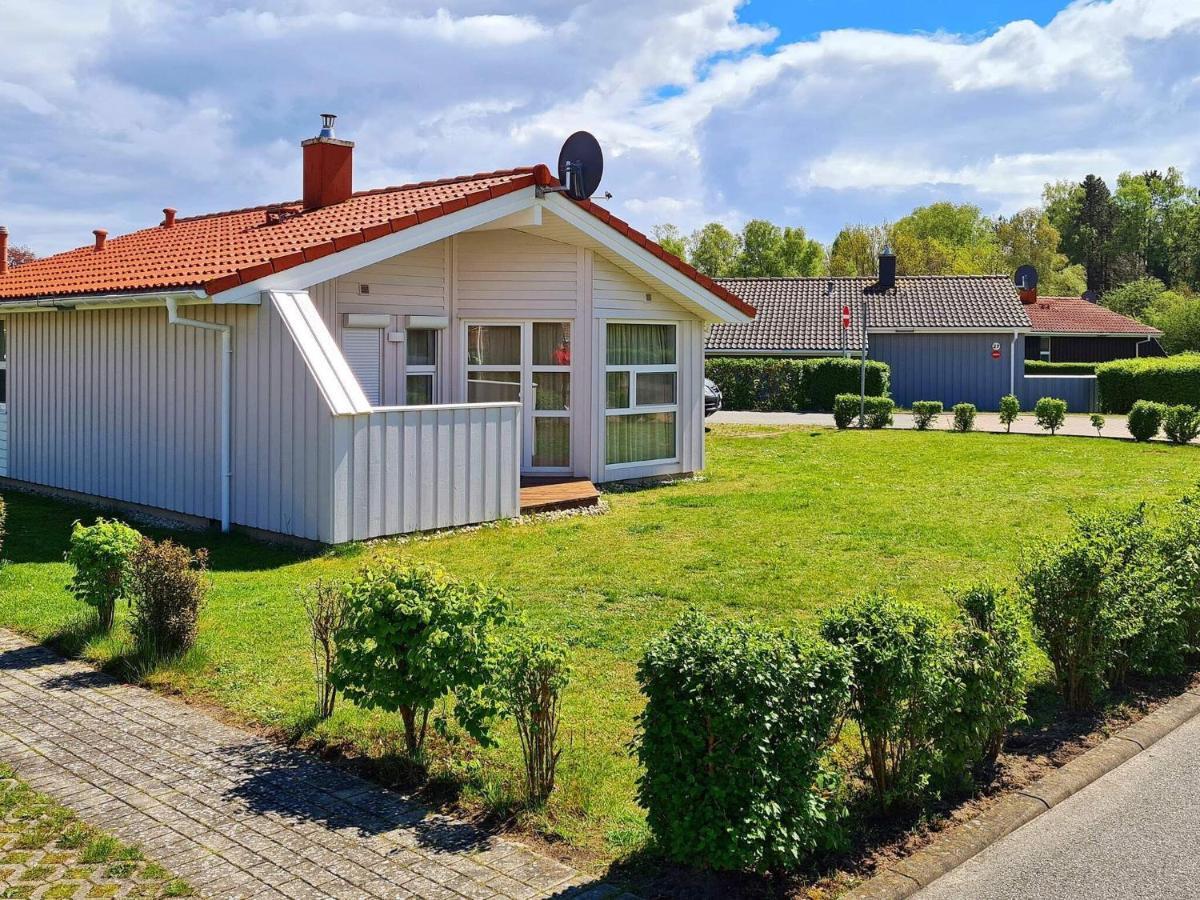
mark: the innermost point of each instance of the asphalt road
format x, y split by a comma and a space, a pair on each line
1135, 833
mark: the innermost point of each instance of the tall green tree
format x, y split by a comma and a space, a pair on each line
1029, 237
945, 239
1178, 317
762, 251
803, 256
671, 239
1088, 229
855, 251
714, 250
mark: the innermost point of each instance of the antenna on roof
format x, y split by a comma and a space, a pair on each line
1026, 281
580, 167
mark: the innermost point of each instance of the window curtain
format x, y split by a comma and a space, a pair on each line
632, 344
640, 437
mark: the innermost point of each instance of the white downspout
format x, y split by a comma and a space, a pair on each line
226, 332
1012, 365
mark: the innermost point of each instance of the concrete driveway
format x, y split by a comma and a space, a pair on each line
1077, 424
1135, 833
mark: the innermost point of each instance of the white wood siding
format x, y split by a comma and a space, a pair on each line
3, 439
619, 295
420, 468
510, 273
413, 283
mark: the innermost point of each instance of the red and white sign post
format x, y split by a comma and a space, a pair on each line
846, 331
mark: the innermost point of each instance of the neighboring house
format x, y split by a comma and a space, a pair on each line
950, 338
1071, 329
357, 364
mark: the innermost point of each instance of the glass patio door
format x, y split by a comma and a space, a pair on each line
529, 362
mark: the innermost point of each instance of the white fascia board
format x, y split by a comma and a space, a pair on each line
719, 310
1140, 336
108, 301
815, 353
354, 258
320, 352
994, 329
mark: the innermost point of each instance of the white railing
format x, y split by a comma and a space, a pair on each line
419, 468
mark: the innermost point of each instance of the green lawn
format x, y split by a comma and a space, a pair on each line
787, 523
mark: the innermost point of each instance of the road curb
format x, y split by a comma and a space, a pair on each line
950, 850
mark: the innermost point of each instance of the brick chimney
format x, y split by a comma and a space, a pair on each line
328, 167
3, 249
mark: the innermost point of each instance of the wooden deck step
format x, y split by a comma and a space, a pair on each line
547, 494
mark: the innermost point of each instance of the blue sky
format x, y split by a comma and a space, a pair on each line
809, 112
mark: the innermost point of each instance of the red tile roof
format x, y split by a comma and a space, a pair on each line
219, 251
1073, 315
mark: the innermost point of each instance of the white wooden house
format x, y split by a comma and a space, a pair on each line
356, 364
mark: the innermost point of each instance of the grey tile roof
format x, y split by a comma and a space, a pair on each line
804, 314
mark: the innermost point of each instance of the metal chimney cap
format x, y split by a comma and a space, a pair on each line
887, 251
327, 120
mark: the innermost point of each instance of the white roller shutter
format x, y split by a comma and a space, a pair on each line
363, 348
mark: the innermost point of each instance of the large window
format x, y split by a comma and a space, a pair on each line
642, 391
420, 366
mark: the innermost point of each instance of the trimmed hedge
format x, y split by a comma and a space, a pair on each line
764, 384
924, 412
1039, 367
1145, 419
877, 411
1172, 380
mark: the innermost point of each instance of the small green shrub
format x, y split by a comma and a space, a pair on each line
413, 635
1080, 600
845, 410
325, 607
169, 584
964, 416
1040, 367
1010, 411
1178, 547
101, 555
878, 412
1169, 379
1098, 423
529, 681
790, 385
1181, 423
989, 673
1050, 413
925, 413
897, 656
1145, 419
735, 741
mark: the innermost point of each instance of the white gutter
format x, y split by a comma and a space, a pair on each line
226, 332
102, 301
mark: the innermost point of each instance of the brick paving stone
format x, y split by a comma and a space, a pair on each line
233, 814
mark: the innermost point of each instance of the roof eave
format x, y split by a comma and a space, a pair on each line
119, 300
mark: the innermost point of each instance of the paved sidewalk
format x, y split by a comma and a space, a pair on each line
1132, 834
233, 814
1077, 424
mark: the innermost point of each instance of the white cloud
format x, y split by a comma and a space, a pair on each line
114, 109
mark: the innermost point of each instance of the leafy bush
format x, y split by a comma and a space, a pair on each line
1040, 367
1085, 616
101, 555
1171, 380
325, 607
529, 681
845, 410
1010, 411
897, 691
735, 741
1181, 423
925, 412
169, 586
412, 635
964, 416
790, 385
989, 668
878, 412
1145, 419
1098, 423
1050, 413
1178, 546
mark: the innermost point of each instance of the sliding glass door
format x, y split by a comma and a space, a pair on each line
529, 362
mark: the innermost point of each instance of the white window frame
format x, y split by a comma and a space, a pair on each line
430, 370
4, 364
528, 372
633, 408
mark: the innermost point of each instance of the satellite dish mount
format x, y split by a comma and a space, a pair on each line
580, 167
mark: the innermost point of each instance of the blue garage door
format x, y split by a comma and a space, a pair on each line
953, 368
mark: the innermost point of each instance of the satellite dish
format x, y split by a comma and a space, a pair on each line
1026, 278
1091, 296
580, 165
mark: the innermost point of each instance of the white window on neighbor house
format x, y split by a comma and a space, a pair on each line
420, 366
642, 393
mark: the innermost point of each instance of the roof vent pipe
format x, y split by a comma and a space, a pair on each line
887, 269
3, 249
101, 237
168, 217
